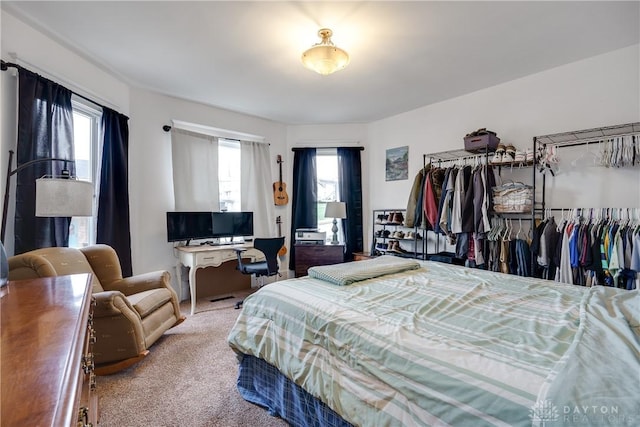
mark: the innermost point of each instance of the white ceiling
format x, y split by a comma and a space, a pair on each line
245, 56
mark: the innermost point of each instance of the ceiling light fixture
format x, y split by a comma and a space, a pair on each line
324, 57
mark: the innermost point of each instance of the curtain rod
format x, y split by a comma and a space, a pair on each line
323, 147
4, 66
168, 128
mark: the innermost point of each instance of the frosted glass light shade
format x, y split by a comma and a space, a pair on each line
63, 197
336, 210
325, 58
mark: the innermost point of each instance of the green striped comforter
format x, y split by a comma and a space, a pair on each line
440, 345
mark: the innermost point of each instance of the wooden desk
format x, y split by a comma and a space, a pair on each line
46, 326
312, 255
196, 257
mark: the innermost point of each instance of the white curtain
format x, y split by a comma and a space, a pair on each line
256, 187
195, 171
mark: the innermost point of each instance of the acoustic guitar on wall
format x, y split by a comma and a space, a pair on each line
280, 196
283, 249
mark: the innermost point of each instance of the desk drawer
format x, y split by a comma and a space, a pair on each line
214, 258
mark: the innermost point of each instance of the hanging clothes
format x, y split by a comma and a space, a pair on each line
415, 197
430, 205
588, 253
444, 197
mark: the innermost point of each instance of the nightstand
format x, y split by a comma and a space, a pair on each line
313, 255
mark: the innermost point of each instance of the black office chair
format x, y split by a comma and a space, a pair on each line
269, 267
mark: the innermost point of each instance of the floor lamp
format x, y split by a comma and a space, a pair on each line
63, 196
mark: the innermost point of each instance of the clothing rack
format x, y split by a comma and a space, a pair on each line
608, 213
586, 136
576, 138
571, 139
451, 156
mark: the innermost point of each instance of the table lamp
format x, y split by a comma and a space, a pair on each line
335, 210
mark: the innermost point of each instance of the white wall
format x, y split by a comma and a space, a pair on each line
598, 91
150, 173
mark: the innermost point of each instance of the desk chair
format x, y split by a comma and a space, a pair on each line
269, 267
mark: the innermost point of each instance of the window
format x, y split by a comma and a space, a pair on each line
229, 175
86, 122
328, 189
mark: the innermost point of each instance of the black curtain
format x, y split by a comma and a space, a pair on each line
350, 181
113, 227
304, 211
45, 130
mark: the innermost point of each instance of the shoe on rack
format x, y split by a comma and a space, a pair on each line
397, 248
399, 234
381, 219
378, 233
497, 157
398, 217
386, 233
509, 154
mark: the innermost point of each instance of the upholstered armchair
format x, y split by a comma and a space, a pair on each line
130, 314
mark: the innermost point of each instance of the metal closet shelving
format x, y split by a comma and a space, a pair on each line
571, 139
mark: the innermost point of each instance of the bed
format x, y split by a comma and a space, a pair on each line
394, 342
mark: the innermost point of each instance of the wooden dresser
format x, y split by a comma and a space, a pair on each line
312, 255
47, 365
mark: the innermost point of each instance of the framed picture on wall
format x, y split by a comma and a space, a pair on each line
397, 164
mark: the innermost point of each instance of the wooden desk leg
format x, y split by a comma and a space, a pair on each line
192, 288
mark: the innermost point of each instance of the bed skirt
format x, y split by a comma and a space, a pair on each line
262, 384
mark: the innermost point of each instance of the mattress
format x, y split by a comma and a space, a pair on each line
448, 345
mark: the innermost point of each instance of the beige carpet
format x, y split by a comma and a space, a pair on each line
188, 379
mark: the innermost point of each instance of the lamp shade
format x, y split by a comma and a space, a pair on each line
324, 57
63, 197
336, 210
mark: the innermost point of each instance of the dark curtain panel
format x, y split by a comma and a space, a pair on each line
350, 181
113, 226
45, 130
304, 211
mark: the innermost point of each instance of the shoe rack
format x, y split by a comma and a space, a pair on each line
391, 237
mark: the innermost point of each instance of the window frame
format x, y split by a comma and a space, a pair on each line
325, 224
93, 112
235, 145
